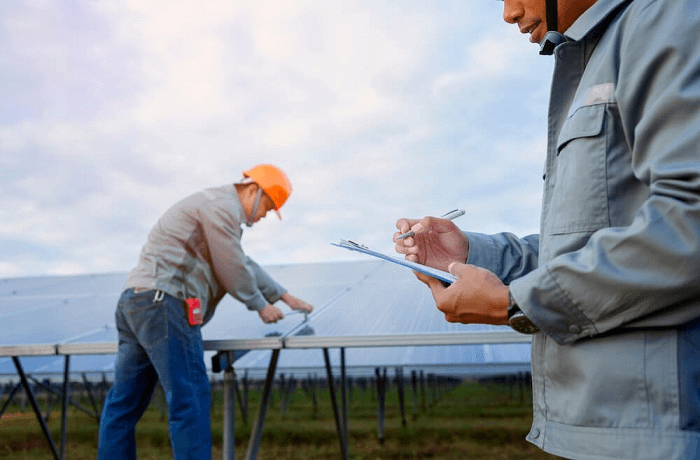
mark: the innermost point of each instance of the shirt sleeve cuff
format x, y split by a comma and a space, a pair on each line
482, 250
546, 304
273, 293
257, 303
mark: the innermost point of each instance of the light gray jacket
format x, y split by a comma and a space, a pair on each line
194, 250
613, 279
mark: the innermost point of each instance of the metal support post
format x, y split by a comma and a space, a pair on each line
64, 407
381, 403
287, 390
91, 396
229, 432
104, 388
414, 385
343, 390
256, 434
9, 398
242, 397
399, 384
35, 406
314, 397
70, 401
334, 404
47, 400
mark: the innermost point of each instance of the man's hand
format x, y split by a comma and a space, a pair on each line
437, 242
478, 296
270, 314
296, 303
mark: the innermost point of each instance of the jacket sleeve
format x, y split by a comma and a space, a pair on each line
648, 272
271, 289
230, 264
504, 254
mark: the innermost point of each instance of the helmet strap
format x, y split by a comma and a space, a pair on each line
552, 38
256, 205
552, 15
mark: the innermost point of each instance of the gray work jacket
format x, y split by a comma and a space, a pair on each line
613, 278
194, 250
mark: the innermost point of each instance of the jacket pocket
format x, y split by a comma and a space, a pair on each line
579, 200
584, 122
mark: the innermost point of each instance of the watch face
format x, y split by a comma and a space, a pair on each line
521, 323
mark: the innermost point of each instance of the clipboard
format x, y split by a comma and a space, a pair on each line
443, 276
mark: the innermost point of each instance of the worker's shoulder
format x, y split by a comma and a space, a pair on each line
224, 193
210, 200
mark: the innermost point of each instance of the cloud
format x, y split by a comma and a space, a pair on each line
112, 111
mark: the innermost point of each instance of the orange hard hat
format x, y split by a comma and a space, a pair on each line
273, 181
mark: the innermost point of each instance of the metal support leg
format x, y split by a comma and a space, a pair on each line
344, 399
422, 390
9, 398
402, 405
381, 403
241, 397
64, 408
256, 434
334, 403
229, 415
47, 401
35, 406
312, 393
284, 394
414, 394
71, 402
91, 396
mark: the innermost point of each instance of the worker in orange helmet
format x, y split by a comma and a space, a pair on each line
191, 259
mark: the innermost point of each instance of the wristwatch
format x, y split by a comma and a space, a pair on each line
517, 319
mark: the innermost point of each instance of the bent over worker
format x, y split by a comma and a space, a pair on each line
193, 252
610, 287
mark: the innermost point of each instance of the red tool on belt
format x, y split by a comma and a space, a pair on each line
194, 311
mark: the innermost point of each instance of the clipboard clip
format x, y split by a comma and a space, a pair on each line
357, 245
435, 273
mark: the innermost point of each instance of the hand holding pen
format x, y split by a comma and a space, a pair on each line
450, 216
432, 241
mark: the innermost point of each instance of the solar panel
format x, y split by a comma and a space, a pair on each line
357, 304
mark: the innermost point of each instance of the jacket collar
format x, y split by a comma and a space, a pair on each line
592, 18
238, 206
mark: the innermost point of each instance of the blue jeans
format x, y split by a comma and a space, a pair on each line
157, 343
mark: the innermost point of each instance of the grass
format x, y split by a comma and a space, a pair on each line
472, 421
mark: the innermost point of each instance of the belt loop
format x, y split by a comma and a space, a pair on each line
158, 296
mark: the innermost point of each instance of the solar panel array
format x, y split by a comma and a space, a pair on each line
355, 301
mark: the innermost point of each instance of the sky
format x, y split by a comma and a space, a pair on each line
112, 111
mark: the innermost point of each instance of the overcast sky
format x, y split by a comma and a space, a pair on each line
111, 111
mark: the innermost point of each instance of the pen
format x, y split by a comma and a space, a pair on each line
450, 215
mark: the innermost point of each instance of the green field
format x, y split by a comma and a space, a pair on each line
470, 421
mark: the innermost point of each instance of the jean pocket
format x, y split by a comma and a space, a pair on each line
150, 324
